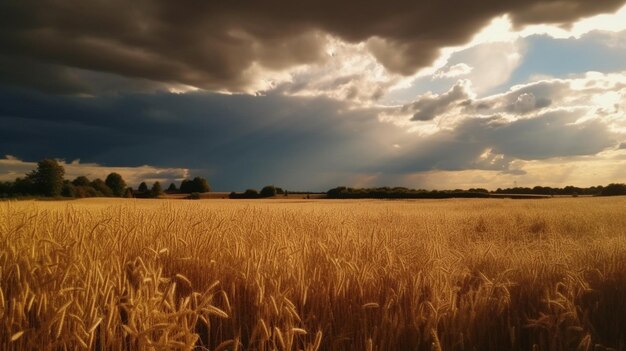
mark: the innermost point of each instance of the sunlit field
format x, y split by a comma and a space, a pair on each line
489, 274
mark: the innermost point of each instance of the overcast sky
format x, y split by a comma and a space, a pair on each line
309, 95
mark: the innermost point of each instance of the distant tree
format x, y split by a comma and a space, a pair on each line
197, 185
116, 183
47, 179
23, 186
128, 192
613, 190
69, 190
172, 187
201, 185
336, 192
478, 190
251, 193
6, 189
279, 190
268, 191
101, 187
186, 186
81, 181
156, 189
86, 191
143, 188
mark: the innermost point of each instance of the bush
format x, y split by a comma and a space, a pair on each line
69, 190
193, 196
128, 192
86, 191
248, 194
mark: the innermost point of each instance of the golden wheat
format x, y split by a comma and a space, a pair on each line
319, 275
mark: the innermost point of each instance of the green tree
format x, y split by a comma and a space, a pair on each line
197, 185
614, 189
116, 183
251, 193
6, 189
268, 191
156, 189
102, 187
47, 179
143, 187
172, 187
81, 181
69, 190
186, 186
200, 185
23, 186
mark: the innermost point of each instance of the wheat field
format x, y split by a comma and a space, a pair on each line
104, 274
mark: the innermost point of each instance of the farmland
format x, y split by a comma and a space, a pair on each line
456, 274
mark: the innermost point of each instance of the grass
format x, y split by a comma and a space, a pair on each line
479, 274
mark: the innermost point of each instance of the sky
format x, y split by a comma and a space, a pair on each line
309, 95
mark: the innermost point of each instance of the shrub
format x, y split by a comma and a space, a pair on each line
194, 196
69, 190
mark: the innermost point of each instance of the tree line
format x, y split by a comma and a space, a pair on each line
47, 180
267, 191
343, 192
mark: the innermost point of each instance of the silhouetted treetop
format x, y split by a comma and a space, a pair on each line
143, 187
47, 179
116, 183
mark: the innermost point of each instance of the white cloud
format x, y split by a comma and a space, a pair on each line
460, 69
349, 73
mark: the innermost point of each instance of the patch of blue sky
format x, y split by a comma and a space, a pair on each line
542, 56
562, 58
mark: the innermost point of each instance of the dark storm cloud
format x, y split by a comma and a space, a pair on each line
216, 44
241, 141
237, 141
58, 79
